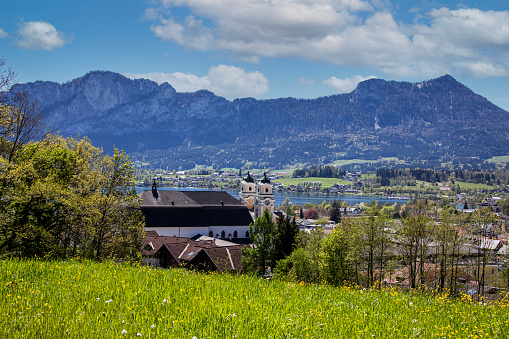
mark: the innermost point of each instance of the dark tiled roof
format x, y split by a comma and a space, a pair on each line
193, 208
213, 198
188, 251
151, 244
166, 198
188, 198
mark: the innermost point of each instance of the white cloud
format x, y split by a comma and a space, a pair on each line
40, 35
346, 85
227, 81
3, 34
346, 32
306, 81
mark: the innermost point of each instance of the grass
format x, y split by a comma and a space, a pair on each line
326, 182
504, 158
82, 299
360, 161
473, 186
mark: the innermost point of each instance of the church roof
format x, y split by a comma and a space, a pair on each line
249, 178
265, 180
187, 198
192, 209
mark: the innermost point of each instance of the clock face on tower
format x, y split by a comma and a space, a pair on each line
250, 200
267, 202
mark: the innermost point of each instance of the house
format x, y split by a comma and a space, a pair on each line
203, 255
190, 213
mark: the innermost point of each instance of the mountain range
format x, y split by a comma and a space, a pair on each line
432, 122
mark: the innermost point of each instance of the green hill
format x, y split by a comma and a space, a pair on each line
82, 299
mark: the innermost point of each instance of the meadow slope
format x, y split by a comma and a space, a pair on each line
83, 299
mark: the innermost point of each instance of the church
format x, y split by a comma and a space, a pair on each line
191, 213
257, 196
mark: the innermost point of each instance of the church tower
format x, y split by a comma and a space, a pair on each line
264, 199
248, 191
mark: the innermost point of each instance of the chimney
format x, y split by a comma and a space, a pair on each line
154, 189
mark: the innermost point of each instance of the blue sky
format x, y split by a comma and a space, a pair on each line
262, 48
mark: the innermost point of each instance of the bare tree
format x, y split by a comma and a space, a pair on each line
22, 121
7, 77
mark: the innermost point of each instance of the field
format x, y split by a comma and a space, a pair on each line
326, 182
504, 158
463, 184
360, 161
82, 299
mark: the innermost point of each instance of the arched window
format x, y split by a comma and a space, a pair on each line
247, 234
235, 234
266, 190
223, 235
250, 188
211, 234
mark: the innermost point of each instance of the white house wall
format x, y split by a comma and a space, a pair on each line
190, 232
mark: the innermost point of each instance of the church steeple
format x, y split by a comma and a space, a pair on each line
264, 199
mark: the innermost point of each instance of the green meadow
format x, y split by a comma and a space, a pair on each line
83, 299
326, 182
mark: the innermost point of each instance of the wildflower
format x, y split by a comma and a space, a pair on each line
165, 301
123, 332
98, 299
152, 326
234, 315
139, 334
108, 301
414, 321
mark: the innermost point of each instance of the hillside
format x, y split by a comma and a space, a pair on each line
83, 299
432, 122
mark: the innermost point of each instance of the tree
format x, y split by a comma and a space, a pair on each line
414, 235
303, 264
287, 230
372, 242
311, 214
335, 265
263, 234
7, 77
483, 223
335, 211
21, 122
64, 197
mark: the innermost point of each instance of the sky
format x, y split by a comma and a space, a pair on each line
262, 48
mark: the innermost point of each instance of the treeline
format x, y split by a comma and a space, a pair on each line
61, 197
324, 171
391, 177
429, 248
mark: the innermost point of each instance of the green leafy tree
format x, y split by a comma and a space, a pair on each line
335, 264
63, 197
263, 236
335, 211
287, 230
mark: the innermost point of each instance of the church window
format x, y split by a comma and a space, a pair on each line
211, 234
247, 234
235, 234
223, 234
266, 190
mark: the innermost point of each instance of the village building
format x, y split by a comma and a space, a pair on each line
192, 213
202, 255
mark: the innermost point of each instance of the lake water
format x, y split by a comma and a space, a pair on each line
299, 198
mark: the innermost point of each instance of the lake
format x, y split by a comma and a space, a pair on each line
299, 198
